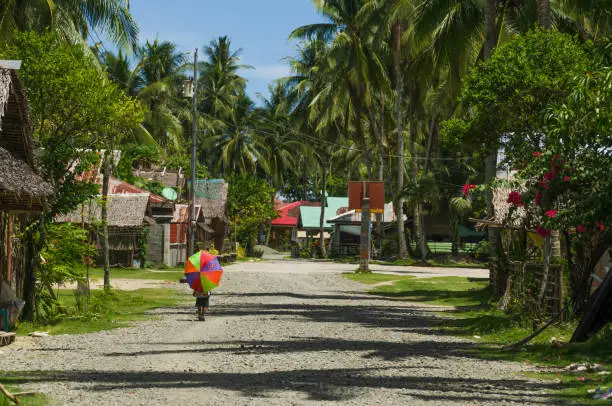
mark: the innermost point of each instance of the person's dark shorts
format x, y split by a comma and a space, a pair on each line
202, 301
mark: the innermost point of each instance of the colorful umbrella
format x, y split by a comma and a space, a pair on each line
203, 271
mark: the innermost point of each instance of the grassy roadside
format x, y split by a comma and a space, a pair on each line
476, 317
34, 400
167, 274
107, 310
440, 262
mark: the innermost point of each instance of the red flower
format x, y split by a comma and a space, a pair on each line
538, 197
566, 178
537, 154
515, 198
581, 228
549, 175
542, 232
551, 213
467, 188
544, 185
600, 226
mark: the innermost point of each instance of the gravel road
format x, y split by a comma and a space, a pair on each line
277, 334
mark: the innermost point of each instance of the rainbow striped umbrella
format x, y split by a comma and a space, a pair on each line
203, 271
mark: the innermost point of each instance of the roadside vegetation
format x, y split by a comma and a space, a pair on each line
107, 310
474, 315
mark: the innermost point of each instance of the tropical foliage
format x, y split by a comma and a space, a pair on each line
418, 94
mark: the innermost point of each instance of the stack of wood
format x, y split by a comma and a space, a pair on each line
6, 338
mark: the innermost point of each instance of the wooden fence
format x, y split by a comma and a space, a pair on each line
523, 288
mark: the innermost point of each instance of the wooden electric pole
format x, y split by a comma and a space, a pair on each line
364, 241
194, 129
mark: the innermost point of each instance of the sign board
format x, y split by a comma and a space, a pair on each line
375, 191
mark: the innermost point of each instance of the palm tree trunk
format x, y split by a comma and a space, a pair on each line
104, 215
491, 159
399, 88
433, 123
419, 231
490, 28
322, 218
379, 141
544, 13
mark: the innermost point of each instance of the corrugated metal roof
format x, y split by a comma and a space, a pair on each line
310, 216
288, 217
118, 186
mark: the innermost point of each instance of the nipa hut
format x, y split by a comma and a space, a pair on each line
126, 223
211, 195
22, 192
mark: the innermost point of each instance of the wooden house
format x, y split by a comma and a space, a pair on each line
23, 192
211, 196
126, 224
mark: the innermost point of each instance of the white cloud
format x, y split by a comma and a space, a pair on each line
268, 72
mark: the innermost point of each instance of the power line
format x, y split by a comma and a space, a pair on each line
313, 138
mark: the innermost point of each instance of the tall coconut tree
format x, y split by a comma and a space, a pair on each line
221, 84
73, 20
158, 80
274, 122
355, 68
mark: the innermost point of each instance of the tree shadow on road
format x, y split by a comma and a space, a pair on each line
386, 350
318, 385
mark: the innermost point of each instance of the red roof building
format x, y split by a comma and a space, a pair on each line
282, 227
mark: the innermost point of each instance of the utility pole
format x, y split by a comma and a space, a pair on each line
364, 246
194, 129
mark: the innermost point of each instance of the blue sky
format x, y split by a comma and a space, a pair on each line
260, 28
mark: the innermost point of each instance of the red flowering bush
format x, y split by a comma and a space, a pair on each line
560, 196
467, 188
515, 198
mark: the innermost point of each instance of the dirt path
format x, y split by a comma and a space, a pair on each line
275, 336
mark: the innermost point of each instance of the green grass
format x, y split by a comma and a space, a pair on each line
107, 310
35, 400
474, 315
11, 383
446, 291
440, 261
373, 278
168, 274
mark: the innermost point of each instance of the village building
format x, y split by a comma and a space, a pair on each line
284, 227
23, 193
127, 220
347, 229
310, 217
213, 227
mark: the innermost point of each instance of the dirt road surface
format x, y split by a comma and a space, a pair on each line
278, 333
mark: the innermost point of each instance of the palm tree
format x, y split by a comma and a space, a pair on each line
239, 148
119, 71
274, 122
354, 67
73, 20
157, 84
221, 85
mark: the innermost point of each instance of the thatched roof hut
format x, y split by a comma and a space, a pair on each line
211, 194
124, 211
21, 189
